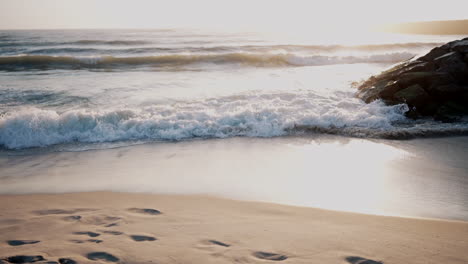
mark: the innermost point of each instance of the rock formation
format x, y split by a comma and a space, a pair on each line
435, 84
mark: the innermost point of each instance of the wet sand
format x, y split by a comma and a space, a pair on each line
425, 178
103, 227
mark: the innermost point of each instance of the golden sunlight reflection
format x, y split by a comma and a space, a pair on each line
340, 174
349, 177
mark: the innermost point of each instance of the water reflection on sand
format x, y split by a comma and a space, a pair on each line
419, 178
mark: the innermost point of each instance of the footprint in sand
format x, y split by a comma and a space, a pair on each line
100, 219
269, 256
24, 259
72, 218
140, 238
217, 243
212, 245
359, 260
61, 211
102, 256
15, 243
97, 241
67, 261
91, 234
115, 233
146, 211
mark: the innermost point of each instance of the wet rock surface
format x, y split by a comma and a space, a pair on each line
434, 85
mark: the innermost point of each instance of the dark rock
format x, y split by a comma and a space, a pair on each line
460, 46
414, 96
413, 113
412, 66
454, 64
456, 107
446, 114
424, 79
463, 98
410, 78
420, 67
411, 95
435, 84
382, 89
447, 91
440, 78
434, 53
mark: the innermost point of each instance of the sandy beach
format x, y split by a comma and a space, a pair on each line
195, 146
141, 228
99, 212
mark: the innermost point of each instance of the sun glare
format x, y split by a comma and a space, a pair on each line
286, 16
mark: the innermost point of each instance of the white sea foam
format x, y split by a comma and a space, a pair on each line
254, 115
265, 115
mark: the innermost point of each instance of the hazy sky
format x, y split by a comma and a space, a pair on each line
242, 14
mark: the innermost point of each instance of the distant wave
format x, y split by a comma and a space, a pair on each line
87, 50
58, 49
62, 50
368, 47
109, 42
253, 59
85, 42
13, 97
6, 41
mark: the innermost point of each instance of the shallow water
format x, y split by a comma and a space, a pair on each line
415, 178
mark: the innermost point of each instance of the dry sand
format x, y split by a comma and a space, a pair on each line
117, 227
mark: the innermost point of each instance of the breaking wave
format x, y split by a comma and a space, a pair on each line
263, 115
252, 59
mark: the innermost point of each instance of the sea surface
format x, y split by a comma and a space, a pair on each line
253, 116
81, 89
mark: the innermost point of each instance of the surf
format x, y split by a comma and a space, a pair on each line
24, 62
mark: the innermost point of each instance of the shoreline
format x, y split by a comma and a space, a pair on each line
423, 178
202, 229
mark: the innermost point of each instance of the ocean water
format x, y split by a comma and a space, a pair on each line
237, 115
81, 89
